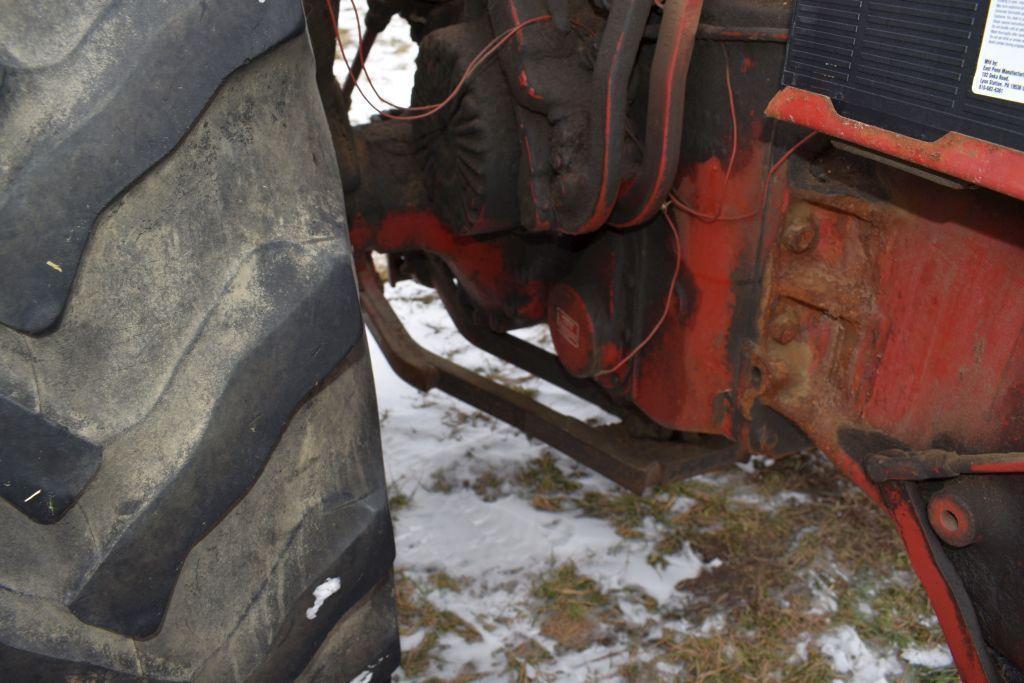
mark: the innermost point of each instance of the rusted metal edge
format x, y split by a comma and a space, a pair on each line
742, 34
981, 163
636, 464
534, 360
899, 465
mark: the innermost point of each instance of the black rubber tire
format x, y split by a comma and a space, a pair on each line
189, 442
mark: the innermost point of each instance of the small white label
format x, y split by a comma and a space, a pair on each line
567, 327
1000, 71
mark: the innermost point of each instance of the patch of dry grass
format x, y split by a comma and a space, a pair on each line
763, 589
488, 485
522, 656
441, 481
543, 475
445, 581
895, 611
627, 511
831, 536
398, 501
572, 607
543, 478
748, 655
416, 613
792, 568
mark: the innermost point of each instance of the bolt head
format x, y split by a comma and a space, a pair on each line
799, 237
784, 328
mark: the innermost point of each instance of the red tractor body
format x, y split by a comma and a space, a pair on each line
751, 228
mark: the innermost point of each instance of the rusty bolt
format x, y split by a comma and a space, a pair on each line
784, 327
799, 236
952, 519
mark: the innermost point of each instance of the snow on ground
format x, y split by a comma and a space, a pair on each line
513, 563
434, 446
850, 655
933, 658
464, 513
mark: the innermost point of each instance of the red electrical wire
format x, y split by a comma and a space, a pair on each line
362, 59
430, 109
678, 253
732, 155
678, 203
717, 215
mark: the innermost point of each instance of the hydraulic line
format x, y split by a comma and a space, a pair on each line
665, 101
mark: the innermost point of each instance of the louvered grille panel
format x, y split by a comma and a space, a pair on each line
906, 65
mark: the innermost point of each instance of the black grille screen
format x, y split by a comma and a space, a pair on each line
904, 65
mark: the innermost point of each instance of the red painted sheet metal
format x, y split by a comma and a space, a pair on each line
484, 267
945, 359
975, 161
907, 313
683, 377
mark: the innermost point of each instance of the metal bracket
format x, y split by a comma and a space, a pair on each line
635, 463
532, 359
899, 465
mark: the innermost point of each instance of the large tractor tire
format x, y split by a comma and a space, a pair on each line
189, 448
